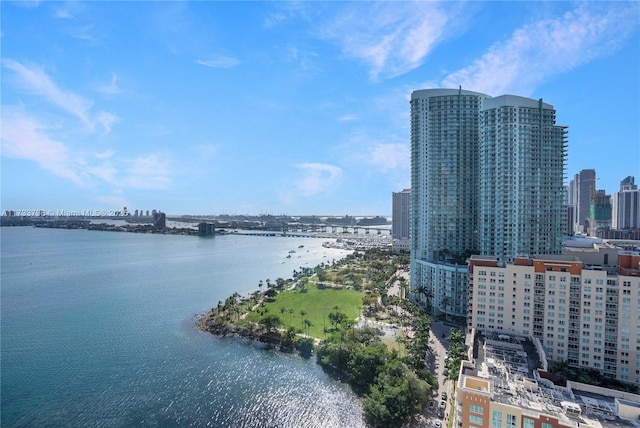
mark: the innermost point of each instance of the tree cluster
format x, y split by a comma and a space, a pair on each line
392, 391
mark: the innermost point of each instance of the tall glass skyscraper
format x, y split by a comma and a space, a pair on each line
486, 178
444, 186
521, 156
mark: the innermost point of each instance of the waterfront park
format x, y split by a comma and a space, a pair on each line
353, 316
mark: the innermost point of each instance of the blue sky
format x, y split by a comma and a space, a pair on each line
287, 107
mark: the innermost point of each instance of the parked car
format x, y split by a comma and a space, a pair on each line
444, 396
437, 424
442, 405
432, 404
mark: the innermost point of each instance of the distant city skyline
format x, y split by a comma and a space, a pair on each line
304, 111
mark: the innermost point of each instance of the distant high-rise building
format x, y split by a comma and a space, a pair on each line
401, 203
600, 212
486, 178
206, 229
629, 183
626, 206
521, 169
584, 189
159, 219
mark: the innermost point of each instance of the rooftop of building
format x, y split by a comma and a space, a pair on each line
506, 368
581, 241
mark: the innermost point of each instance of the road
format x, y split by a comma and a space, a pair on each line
435, 362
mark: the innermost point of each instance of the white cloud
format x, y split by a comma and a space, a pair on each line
551, 46
148, 172
113, 201
219, 61
348, 118
23, 138
206, 151
104, 155
68, 10
39, 83
392, 37
317, 178
106, 119
387, 157
111, 87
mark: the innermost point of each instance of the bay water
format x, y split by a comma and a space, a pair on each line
98, 330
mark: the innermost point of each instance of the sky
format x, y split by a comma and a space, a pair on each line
292, 108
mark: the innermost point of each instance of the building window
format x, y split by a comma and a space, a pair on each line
476, 409
528, 423
546, 425
496, 419
477, 420
511, 421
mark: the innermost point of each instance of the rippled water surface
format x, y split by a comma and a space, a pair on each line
98, 330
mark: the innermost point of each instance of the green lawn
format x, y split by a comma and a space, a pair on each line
317, 304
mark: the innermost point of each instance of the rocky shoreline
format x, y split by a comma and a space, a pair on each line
209, 324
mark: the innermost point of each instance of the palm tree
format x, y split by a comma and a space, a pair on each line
302, 314
307, 324
427, 293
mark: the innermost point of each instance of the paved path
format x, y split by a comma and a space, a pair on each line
434, 360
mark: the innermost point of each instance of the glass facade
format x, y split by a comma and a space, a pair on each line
522, 156
444, 171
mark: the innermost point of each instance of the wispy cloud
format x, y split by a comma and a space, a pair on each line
317, 178
112, 201
68, 10
548, 47
348, 118
148, 172
111, 87
393, 38
23, 138
376, 151
387, 157
206, 151
37, 82
219, 61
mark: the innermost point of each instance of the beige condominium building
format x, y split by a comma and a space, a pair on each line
503, 385
586, 315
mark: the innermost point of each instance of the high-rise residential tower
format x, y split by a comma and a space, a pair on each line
626, 206
401, 203
486, 178
584, 189
521, 170
444, 211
